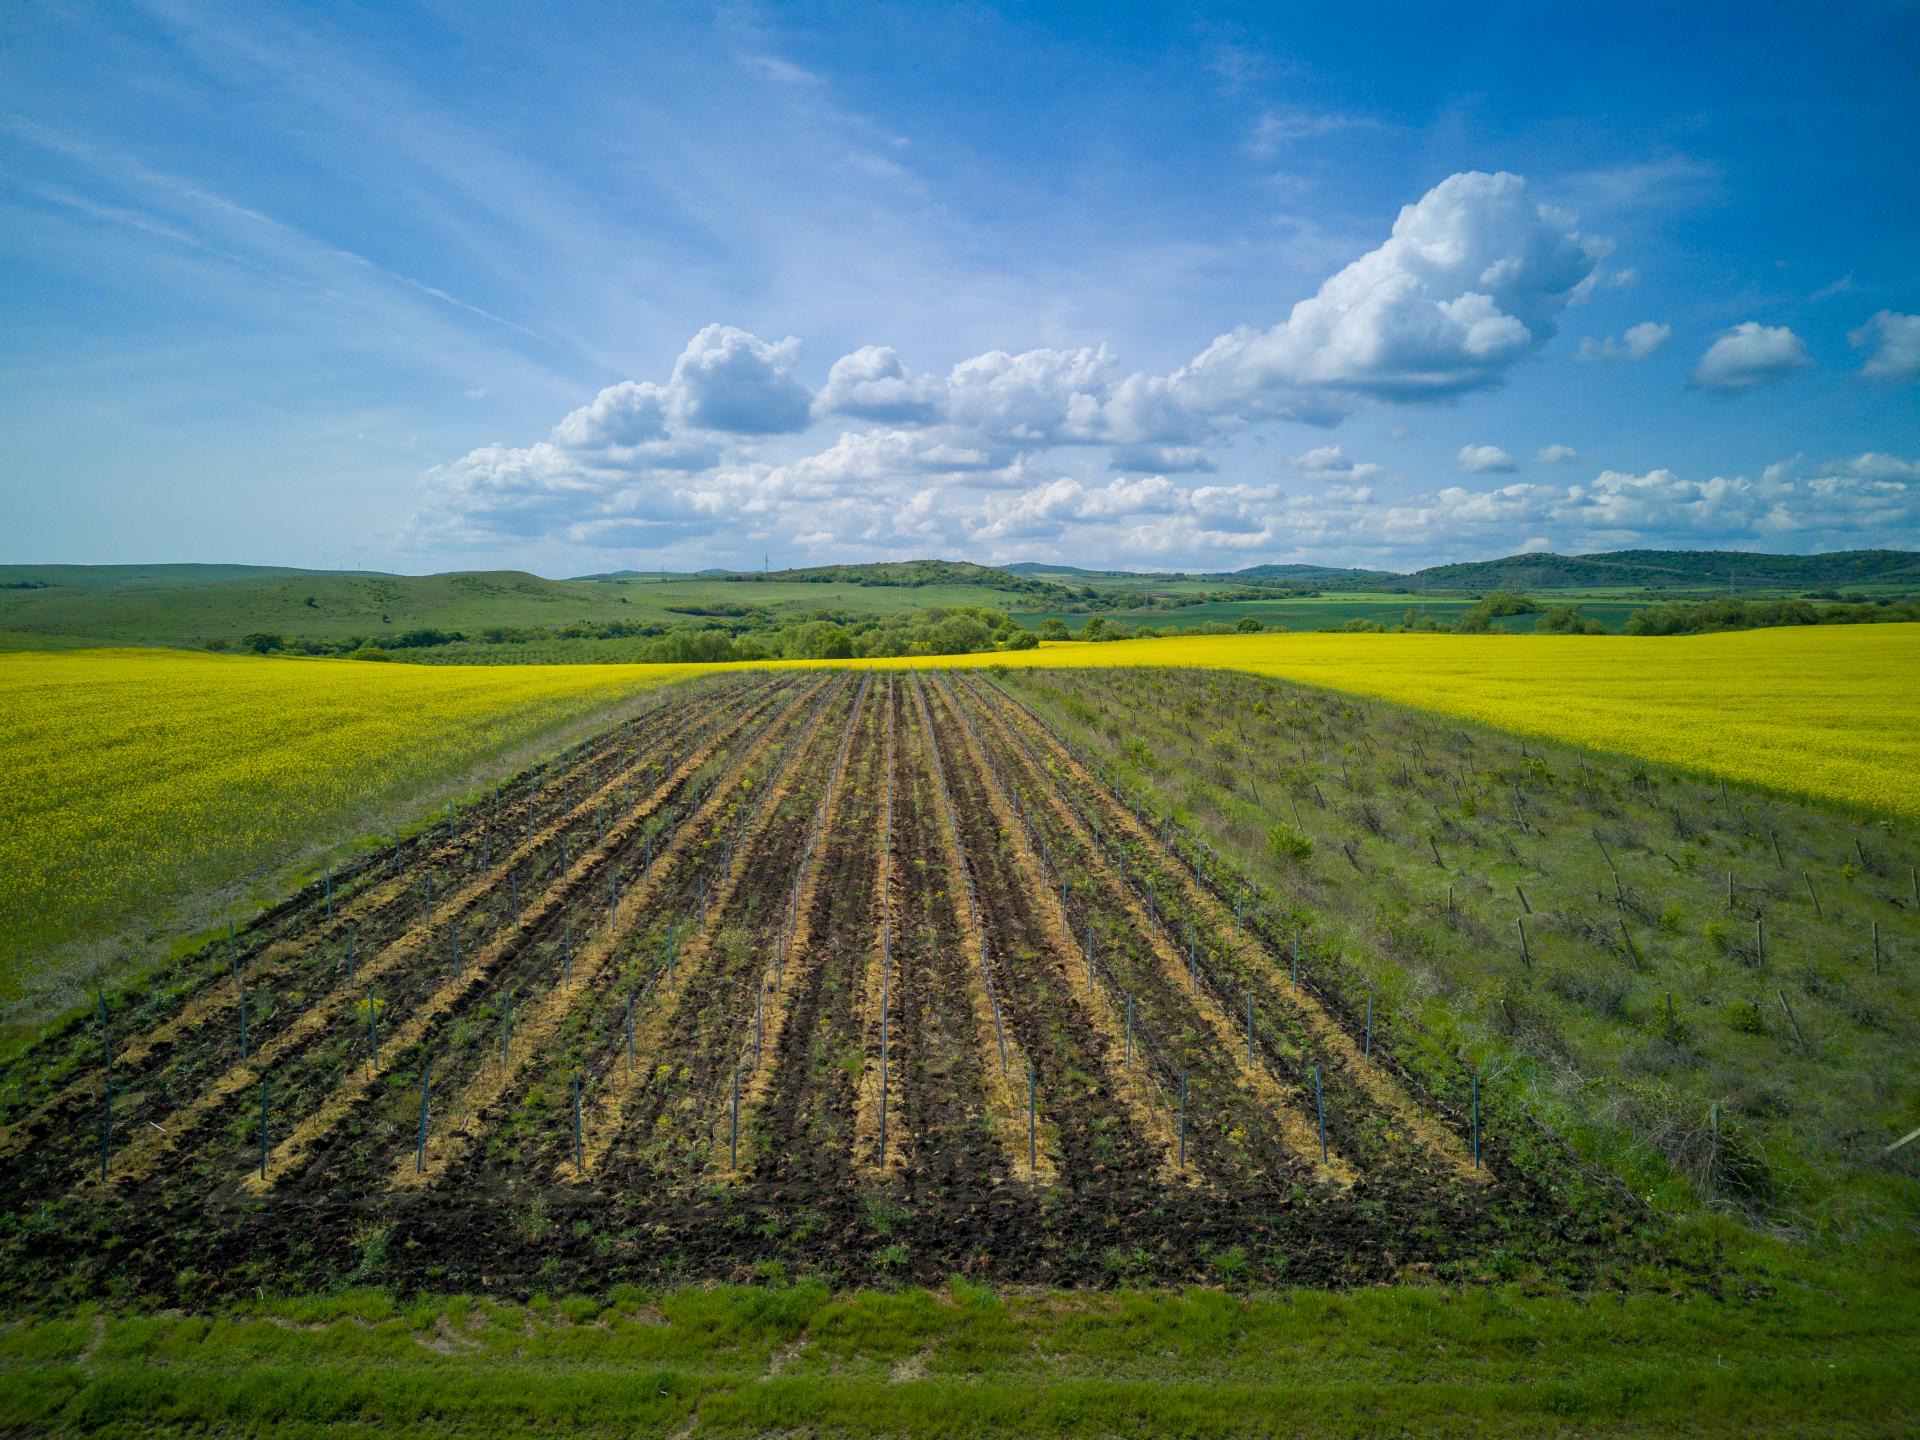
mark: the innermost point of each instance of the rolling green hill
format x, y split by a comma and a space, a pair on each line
52, 606
1713, 570
1719, 570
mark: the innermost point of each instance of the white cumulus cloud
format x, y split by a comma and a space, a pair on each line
1472, 279
1482, 459
731, 381
1636, 343
1751, 355
1555, 454
1896, 341
873, 384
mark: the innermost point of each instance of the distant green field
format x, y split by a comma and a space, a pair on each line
190, 605
1329, 612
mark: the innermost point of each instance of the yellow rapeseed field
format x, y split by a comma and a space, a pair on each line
136, 777
1831, 712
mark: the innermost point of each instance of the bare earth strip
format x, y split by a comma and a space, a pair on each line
804, 952
1001, 1054
871, 1156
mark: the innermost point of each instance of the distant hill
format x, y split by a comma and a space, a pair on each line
196, 605
1643, 569
1680, 569
1311, 575
1036, 570
106, 577
911, 574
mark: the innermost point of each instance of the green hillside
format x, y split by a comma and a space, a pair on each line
60, 606
1707, 570
1718, 570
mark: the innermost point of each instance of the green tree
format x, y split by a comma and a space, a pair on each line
821, 640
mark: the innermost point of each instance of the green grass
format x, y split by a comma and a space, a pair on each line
1789, 1355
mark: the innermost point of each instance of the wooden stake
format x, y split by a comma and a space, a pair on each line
1476, 1119
1183, 1120
1811, 895
1033, 1129
1526, 957
1627, 935
1320, 1112
426, 1090
1801, 1039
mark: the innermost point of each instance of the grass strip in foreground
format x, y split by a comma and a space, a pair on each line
1798, 1359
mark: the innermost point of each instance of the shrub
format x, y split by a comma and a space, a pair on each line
1248, 625
1053, 629
1567, 620
370, 652
1286, 843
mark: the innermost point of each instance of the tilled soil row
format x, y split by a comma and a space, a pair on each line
800, 1121
659, 1128
1089, 1127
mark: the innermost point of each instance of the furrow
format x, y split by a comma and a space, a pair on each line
608, 1117
804, 953
1148, 1113
1002, 1054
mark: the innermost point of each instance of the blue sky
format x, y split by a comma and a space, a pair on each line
447, 286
